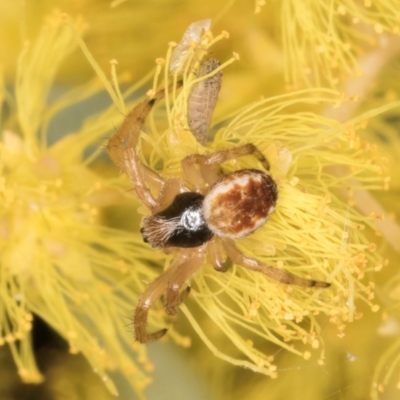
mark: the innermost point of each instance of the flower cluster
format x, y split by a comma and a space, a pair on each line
59, 260
323, 43
318, 164
63, 259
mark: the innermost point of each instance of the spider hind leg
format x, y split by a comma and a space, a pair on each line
274, 273
174, 298
170, 282
140, 322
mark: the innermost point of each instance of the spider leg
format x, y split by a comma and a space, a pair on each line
134, 169
274, 273
171, 187
218, 259
127, 135
184, 266
209, 164
203, 177
219, 157
122, 148
139, 176
174, 297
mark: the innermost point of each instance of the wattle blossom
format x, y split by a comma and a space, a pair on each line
61, 260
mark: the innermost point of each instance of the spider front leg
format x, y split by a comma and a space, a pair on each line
209, 164
200, 179
127, 135
248, 149
274, 273
122, 148
170, 282
139, 176
219, 157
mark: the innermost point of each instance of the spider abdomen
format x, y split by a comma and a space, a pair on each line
239, 203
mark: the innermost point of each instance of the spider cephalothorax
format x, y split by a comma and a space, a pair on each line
182, 224
200, 219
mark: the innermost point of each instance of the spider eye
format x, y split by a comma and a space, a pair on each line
240, 202
182, 224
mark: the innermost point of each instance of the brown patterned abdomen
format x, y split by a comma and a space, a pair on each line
239, 203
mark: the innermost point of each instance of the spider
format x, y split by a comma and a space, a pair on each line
199, 220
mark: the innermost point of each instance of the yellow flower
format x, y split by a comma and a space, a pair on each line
58, 260
61, 261
318, 164
383, 130
323, 42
